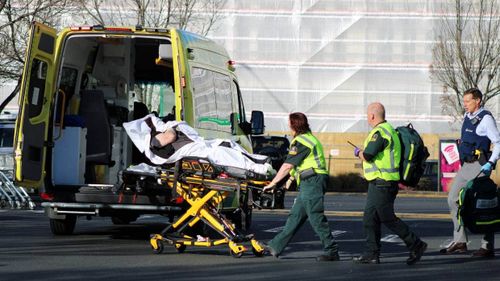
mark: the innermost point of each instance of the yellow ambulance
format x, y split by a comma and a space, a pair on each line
80, 85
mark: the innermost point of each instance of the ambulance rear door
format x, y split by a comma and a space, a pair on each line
36, 92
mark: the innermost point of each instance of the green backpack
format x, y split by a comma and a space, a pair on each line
478, 206
413, 155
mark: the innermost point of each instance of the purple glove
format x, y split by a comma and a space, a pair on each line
356, 151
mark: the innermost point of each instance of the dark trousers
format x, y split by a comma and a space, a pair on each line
307, 205
379, 210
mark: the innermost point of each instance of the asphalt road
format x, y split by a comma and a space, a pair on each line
100, 250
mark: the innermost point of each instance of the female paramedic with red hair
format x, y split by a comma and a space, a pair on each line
305, 163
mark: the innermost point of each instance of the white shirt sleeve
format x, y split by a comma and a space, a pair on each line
488, 127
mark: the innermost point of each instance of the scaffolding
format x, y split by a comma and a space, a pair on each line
330, 59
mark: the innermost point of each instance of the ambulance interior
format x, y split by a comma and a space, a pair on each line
103, 82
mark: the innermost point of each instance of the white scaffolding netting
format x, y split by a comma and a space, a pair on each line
331, 58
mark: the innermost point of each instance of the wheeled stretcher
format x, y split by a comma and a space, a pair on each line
201, 188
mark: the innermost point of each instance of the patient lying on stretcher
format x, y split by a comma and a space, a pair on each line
164, 143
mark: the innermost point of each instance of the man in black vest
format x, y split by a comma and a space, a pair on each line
479, 131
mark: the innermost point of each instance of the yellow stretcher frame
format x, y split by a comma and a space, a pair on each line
204, 196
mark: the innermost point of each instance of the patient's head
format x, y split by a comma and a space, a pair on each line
165, 138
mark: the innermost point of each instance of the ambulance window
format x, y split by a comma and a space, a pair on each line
158, 97
204, 99
223, 100
67, 85
68, 80
212, 100
36, 88
46, 43
168, 98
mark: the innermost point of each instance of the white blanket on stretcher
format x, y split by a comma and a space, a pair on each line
233, 156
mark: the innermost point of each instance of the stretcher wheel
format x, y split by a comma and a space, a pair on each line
234, 254
160, 248
257, 253
180, 248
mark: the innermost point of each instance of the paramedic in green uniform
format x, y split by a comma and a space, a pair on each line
381, 158
306, 163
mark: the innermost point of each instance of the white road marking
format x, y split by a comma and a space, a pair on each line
337, 233
275, 230
391, 238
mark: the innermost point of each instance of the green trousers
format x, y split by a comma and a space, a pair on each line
308, 205
379, 210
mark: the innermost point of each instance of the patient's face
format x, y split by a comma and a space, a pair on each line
166, 137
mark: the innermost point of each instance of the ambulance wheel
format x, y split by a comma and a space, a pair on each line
64, 226
160, 246
234, 254
180, 248
257, 253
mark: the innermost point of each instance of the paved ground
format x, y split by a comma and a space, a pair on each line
100, 250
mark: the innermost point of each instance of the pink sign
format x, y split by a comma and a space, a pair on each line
449, 163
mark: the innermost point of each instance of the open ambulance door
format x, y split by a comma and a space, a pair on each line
179, 73
35, 98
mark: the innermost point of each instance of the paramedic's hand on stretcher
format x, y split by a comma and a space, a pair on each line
270, 187
486, 168
282, 173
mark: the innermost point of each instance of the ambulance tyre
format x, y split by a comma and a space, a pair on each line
64, 226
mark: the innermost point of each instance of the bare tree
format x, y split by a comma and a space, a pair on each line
195, 15
2, 4
15, 21
16, 18
466, 52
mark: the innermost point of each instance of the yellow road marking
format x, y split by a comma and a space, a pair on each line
360, 214
405, 194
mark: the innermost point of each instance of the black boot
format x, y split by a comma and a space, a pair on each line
367, 258
417, 253
331, 257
